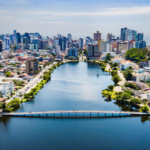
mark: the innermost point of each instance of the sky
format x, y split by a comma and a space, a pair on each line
81, 18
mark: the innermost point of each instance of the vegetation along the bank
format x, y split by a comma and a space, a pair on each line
14, 104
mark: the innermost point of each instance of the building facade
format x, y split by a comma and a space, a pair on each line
80, 43
93, 50
31, 66
97, 35
1, 45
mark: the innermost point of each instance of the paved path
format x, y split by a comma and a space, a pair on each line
108, 67
121, 83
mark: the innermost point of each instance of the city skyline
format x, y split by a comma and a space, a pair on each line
80, 18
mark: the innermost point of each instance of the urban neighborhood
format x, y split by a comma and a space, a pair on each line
26, 62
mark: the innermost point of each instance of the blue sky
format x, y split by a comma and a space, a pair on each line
79, 17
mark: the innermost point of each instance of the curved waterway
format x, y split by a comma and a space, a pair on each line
74, 86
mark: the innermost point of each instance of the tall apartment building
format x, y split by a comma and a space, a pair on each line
80, 43
93, 50
1, 45
140, 44
108, 37
139, 37
102, 46
31, 66
6, 43
97, 35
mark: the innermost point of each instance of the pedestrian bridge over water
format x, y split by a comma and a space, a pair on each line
77, 114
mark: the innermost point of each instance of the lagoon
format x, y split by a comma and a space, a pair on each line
74, 86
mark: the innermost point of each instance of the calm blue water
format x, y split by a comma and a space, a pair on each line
74, 86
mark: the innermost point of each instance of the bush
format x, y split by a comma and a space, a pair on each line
110, 87
135, 101
8, 74
125, 96
145, 108
130, 92
131, 85
103, 68
114, 72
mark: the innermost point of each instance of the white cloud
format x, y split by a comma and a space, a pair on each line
16, 2
117, 11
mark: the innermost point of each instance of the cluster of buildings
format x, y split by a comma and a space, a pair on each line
128, 39
25, 55
65, 45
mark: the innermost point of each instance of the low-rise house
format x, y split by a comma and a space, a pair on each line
144, 96
144, 64
146, 69
137, 92
13, 74
2, 99
138, 77
126, 64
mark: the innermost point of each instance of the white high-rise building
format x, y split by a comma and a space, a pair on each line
107, 46
6, 43
57, 48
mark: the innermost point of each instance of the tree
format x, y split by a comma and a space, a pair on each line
114, 72
135, 101
137, 55
145, 108
1, 66
128, 74
86, 52
8, 74
116, 79
1, 94
144, 100
118, 95
125, 96
110, 87
108, 57
14, 103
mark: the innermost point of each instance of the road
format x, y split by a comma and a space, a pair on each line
31, 84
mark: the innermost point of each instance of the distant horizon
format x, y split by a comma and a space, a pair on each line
76, 37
